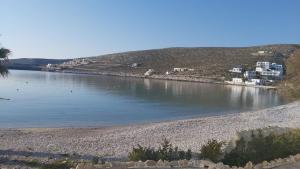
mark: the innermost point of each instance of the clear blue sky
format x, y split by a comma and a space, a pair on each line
76, 28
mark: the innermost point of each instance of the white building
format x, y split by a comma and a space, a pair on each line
182, 69
48, 66
237, 81
263, 65
262, 52
149, 72
259, 69
268, 69
271, 73
236, 70
250, 74
254, 82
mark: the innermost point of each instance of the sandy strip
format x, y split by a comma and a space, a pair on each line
117, 141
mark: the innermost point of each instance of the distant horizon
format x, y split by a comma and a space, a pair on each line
66, 29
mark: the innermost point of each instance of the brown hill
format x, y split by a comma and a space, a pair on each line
291, 85
207, 61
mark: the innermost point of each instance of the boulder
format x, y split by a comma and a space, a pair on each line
183, 163
139, 164
174, 164
130, 164
265, 164
108, 164
249, 165
297, 157
221, 166
85, 166
164, 164
194, 163
207, 164
150, 163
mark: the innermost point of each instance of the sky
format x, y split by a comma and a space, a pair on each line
81, 28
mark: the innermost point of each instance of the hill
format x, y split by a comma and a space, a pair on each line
290, 86
32, 63
210, 62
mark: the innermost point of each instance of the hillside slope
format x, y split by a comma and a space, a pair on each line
291, 85
32, 63
207, 61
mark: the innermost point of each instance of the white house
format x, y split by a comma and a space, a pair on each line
271, 73
236, 70
259, 69
263, 65
49, 66
236, 81
262, 52
149, 72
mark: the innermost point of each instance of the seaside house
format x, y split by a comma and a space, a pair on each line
269, 69
249, 74
275, 73
255, 82
236, 80
236, 70
263, 65
48, 66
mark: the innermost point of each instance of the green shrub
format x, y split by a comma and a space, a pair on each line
143, 154
165, 152
260, 148
212, 150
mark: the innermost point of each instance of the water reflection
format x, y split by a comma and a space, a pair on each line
80, 100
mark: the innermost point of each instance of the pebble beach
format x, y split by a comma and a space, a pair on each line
116, 142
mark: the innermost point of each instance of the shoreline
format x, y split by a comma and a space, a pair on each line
116, 141
164, 77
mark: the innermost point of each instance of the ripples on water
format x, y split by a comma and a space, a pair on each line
45, 99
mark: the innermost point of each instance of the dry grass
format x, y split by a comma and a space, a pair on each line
207, 61
291, 86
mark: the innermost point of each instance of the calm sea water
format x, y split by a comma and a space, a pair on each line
45, 99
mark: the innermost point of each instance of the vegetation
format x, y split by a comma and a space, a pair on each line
212, 150
213, 62
3, 57
165, 152
260, 148
57, 164
257, 148
290, 86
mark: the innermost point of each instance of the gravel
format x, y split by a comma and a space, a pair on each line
116, 142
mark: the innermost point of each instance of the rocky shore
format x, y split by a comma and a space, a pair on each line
116, 142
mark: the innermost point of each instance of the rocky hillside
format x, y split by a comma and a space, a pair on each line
207, 61
291, 85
